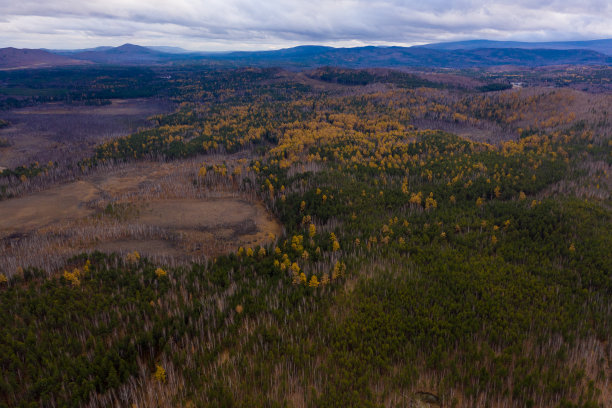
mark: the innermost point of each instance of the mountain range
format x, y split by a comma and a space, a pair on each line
602, 46
464, 54
395, 57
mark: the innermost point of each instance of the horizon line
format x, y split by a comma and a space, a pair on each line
389, 45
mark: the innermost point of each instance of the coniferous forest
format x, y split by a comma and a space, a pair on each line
444, 240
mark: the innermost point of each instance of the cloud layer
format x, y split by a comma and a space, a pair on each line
263, 24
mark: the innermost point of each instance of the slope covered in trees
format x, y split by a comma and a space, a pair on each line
412, 260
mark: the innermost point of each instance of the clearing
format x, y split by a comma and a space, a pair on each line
57, 131
150, 207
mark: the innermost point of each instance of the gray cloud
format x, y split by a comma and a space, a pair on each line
249, 24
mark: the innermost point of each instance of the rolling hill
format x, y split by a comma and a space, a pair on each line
14, 58
125, 54
601, 46
365, 57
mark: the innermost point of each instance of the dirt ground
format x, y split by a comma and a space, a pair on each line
29, 213
55, 131
150, 207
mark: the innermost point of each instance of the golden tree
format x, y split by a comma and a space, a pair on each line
339, 269
416, 198
430, 202
335, 245
314, 281
325, 279
312, 230
133, 257
73, 277
160, 374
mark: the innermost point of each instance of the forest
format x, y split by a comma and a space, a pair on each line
445, 242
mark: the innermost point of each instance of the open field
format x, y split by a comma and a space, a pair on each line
60, 132
152, 208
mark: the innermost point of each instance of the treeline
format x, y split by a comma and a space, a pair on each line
89, 86
365, 77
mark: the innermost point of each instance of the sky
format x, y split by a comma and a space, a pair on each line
219, 25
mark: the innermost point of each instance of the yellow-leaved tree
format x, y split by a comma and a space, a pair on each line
312, 230
160, 373
314, 281
133, 257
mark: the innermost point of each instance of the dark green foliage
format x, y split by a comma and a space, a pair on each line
32, 170
57, 334
83, 85
363, 77
494, 87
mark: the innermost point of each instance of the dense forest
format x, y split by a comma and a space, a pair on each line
416, 263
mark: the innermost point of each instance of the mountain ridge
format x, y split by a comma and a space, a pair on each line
603, 46
18, 58
468, 54
394, 57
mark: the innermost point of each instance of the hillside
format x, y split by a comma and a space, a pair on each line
362, 57
125, 54
601, 46
13, 58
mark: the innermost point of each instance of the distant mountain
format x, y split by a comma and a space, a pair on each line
601, 46
297, 53
468, 54
362, 57
72, 52
14, 58
170, 50
314, 56
125, 54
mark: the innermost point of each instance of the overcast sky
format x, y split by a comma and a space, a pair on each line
265, 24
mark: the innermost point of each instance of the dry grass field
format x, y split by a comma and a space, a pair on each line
150, 207
153, 208
60, 132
